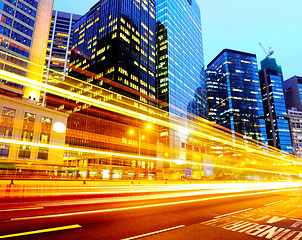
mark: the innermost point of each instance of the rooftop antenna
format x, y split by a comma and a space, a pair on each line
269, 53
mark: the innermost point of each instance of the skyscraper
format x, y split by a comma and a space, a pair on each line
113, 47
276, 120
180, 74
180, 63
295, 126
234, 98
59, 41
24, 27
293, 92
115, 40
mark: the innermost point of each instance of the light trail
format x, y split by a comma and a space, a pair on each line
21, 209
144, 206
95, 102
41, 231
91, 151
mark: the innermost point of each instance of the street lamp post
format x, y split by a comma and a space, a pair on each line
140, 137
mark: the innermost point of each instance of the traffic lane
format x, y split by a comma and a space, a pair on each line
279, 221
49, 208
127, 223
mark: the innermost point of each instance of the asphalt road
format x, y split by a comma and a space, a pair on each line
269, 214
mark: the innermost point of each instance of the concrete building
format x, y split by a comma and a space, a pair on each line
24, 30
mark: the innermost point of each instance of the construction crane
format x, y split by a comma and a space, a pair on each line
269, 53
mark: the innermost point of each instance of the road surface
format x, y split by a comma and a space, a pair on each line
266, 214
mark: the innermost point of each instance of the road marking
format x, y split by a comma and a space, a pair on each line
153, 233
41, 231
286, 214
273, 203
293, 198
144, 206
234, 213
20, 209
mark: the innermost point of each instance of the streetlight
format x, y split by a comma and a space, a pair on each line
140, 137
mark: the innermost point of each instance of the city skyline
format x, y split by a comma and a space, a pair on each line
272, 23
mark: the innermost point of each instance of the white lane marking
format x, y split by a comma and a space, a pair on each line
273, 203
293, 198
152, 233
143, 206
233, 213
20, 209
41, 231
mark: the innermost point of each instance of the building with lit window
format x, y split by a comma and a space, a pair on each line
114, 47
277, 127
233, 92
179, 76
59, 42
25, 121
24, 28
180, 63
293, 92
295, 126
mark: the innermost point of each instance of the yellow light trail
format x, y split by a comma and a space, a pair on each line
20, 209
41, 231
147, 206
91, 151
84, 99
204, 124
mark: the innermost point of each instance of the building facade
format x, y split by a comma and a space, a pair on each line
277, 127
180, 63
179, 75
295, 126
293, 92
113, 47
233, 92
24, 28
59, 42
22, 120
115, 41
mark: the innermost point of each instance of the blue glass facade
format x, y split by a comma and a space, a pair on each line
17, 24
233, 92
20, 31
180, 63
116, 40
59, 42
277, 127
293, 93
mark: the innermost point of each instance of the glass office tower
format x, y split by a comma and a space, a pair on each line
115, 40
277, 127
180, 74
180, 63
59, 42
234, 98
293, 92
